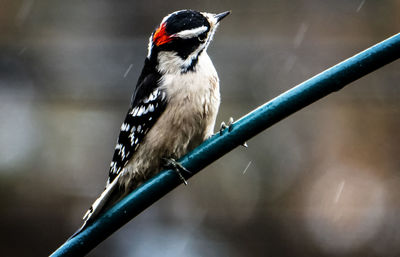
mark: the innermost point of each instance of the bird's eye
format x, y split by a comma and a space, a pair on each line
202, 37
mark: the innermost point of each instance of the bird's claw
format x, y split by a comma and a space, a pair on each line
229, 126
224, 126
171, 163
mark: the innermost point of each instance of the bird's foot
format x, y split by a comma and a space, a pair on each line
171, 163
224, 126
229, 126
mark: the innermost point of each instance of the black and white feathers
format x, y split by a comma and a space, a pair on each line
147, 104
173, 108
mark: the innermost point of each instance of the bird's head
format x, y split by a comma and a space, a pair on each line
184, 34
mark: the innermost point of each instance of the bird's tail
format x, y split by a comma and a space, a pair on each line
107, 199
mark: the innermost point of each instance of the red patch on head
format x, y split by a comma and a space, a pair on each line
160, 36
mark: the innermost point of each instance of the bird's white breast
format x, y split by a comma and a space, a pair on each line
189, 84
189, 118
193, 97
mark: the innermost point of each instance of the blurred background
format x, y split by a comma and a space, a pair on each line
323, 182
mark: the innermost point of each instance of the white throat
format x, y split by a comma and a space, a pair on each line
171, 63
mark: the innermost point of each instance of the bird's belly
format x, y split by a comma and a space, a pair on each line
189, 118
179, 130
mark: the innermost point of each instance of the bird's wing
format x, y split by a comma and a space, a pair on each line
147, 104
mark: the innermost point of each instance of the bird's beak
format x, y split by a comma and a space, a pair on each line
222, 15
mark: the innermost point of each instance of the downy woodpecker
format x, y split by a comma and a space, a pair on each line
173, 108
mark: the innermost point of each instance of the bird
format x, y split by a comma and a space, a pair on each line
173, 108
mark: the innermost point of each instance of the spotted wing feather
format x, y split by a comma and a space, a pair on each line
147, 105
138, 121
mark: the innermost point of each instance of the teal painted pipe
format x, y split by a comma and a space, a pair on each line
317, 87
